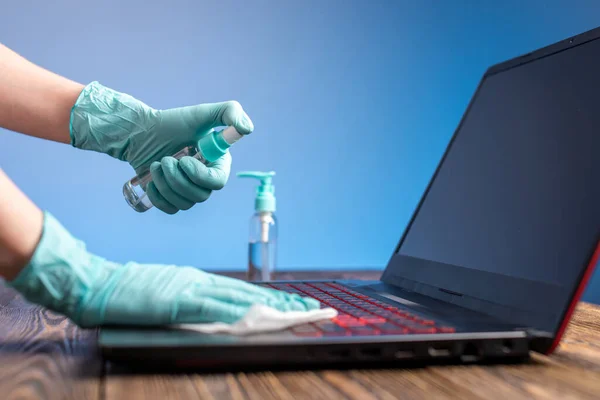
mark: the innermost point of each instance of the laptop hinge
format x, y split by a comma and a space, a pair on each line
540, 341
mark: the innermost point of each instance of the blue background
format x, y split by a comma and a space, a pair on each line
353, 101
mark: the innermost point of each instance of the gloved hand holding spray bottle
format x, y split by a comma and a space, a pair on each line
263, 229
208, 149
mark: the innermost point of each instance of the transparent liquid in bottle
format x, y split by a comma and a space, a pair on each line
261, 261
262, 247
134, 190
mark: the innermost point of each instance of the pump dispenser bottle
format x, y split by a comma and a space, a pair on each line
263, 229
209, 148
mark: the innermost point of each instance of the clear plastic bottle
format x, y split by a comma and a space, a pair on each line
208, 149
134, 190
262, 247
262, 244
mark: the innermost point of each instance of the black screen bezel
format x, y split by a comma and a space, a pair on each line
439, 280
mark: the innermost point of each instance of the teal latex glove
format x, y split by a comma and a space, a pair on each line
123, 127
63, 276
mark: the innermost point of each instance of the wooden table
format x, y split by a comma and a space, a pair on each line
43, 355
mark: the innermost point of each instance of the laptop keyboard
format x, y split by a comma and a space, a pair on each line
359, 315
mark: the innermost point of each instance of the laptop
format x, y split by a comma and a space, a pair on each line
493, 261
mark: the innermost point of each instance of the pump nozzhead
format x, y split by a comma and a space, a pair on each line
265, 192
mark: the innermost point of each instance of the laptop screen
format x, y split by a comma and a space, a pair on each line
512, 217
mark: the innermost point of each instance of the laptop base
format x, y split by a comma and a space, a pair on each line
170, 349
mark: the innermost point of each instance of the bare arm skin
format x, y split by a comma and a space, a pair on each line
35, 102
20, 228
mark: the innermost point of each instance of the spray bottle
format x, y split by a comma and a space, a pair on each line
209, 148
263, 229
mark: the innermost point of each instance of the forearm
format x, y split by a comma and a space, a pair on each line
34, 101
21, 224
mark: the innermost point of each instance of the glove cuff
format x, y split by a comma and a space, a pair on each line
105, 121
60, 273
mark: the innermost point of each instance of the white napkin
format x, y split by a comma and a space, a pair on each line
261, 318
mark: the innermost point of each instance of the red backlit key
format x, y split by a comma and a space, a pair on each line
373, 320
364, 332
426, 322
330, 329
392, 329
308, 334
306, 330
414, 328
373, 308
348, 322
446, 329
423, 330
387, 314
400, 315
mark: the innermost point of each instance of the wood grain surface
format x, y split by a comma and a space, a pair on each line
45, 356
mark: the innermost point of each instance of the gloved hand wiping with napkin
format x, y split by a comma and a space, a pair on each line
65, 277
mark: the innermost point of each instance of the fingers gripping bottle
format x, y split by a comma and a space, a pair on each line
263, 229
208, 149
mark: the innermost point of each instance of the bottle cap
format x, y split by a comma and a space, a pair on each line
214, 145
265, 192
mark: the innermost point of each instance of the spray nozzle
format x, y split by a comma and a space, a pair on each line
215, 144
265, 192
